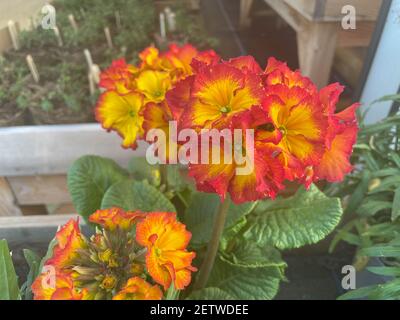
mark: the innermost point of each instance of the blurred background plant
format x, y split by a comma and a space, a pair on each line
371, 199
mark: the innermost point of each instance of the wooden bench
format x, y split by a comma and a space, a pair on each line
319, 31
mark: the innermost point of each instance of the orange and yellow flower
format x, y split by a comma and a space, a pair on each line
59, 286
341, 136
153, 85
119, 77
115, 263
298, 117
113, 218
138, 289
218, 93
121, 113
166, 239
69, 240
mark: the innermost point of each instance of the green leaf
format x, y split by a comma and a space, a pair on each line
305, 218
371, 207
142, 170
9, 289
357, 293
358, 194
88, 180
250, 255
33, 261
136, 195
210, 293
245, 283
385, 271
381, 251
396, 204
199, 216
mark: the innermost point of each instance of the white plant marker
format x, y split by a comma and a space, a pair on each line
58, 36
32, 68
12, 29
108, 37
162, 26
96, 73
171, 19
88, 57
73, 23
118, 20
92, 87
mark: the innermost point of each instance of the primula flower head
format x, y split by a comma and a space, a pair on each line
119, 77
218, 93
166, 240
112, 263
121, 113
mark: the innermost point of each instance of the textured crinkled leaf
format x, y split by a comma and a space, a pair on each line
305, 218
136, 195
210, 293
250, 255
88, 180
245, 283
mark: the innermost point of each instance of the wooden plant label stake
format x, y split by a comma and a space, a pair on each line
73, 23
96, 73
163, 33
92, 87
118, 20
108, 37
33, 68
171, 21
58, 36
88, 57
13, 34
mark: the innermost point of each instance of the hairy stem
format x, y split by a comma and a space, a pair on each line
213, 246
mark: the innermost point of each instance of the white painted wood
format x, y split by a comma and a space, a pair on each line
51, 149
36, 221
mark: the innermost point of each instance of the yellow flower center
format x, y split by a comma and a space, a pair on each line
225, 109
283, 130
132, 113
158, 252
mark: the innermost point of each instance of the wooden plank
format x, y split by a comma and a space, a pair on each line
331, 10
349, 62
8, 205
365, 10
245, 13
39, 221
360, 37
49, 150
40, 189
316, 45
5, 39
287, 13
305, 7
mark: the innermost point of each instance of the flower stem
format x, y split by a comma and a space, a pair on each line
164, 175
213, 246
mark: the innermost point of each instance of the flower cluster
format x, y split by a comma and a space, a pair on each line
134, 99
128, 252
298, 136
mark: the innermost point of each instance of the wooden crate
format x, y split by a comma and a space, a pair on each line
331, 10
35, 161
